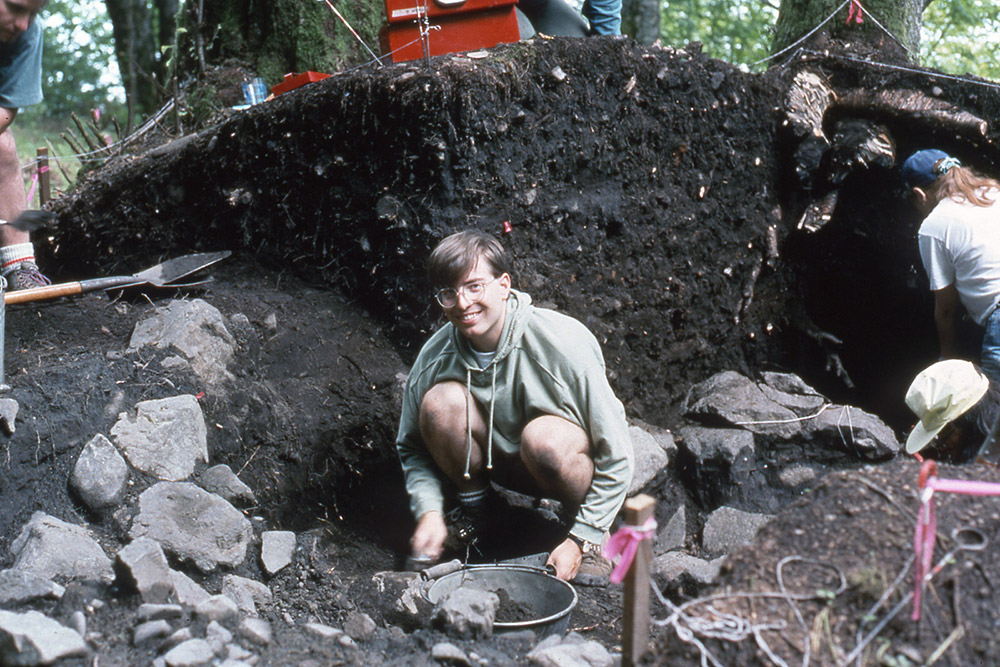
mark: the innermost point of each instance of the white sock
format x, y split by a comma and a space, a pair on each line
11, 256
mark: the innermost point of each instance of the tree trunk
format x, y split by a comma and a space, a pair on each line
136, 51
641, 20
901, 18
281, 36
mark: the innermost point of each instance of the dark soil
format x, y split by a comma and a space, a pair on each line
512, 611
641, 189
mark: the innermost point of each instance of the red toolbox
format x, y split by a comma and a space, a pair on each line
401, 11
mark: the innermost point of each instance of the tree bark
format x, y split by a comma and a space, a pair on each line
901, 18
135, 49
641, 20
281, 36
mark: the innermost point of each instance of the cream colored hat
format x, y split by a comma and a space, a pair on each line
941, 393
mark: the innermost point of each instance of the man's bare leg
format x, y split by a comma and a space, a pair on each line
556, 453
12, 196
443, 427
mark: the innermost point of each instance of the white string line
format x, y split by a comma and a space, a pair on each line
785, 421
349, 27
804, 37
900, 68
884, 29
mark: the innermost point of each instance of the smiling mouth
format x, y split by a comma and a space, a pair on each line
468, 317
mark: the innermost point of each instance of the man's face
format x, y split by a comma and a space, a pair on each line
16, 16
481, 321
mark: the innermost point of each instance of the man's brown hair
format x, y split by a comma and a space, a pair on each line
457, 254
961, 184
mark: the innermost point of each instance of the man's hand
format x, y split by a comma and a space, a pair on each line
566, 558
428, 538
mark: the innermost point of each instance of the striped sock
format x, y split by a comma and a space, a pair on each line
473, 499
11, 256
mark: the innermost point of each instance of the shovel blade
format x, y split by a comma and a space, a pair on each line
180, 267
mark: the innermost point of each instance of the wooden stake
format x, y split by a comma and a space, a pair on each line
44, 188
635, 618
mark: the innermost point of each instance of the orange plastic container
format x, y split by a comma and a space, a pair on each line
401, 11
293, 81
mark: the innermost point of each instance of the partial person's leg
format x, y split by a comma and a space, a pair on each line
556, 454
990, 354
443, 426
16, 250
555, 17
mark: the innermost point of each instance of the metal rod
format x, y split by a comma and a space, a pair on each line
3, 333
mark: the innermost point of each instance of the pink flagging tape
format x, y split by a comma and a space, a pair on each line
625, 543
926, 529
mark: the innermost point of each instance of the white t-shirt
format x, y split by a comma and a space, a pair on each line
960, 244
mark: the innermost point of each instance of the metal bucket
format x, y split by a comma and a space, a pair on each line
549, 597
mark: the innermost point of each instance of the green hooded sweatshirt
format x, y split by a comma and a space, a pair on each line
545, 364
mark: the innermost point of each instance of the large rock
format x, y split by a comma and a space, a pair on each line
781, 406
722, 467
221, 480
277, 548
166, 438
468, 613
728, 528
677, 568
100, 474
142, 566
650, 446
19, 587
53, 549
570, 651
246, 593
32, 638
195, 330
193, 524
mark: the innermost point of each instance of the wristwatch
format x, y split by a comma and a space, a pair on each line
586, 546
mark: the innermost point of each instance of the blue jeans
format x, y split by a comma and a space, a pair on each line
990, 355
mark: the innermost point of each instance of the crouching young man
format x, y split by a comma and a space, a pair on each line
515, 394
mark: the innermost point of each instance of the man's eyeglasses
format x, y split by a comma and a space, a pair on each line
474, 292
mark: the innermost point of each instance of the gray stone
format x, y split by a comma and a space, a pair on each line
359, 626
8, 415
193, 524
217, 608
166, 437
143, 567
650, 454
741, 402
570, 651
186, 591
18, 587
151, 611
256, 630
32, 638
215, 631
797, 475
728, 445
237, 652
322, 631
222, 481
449, 653
150, 630
246, 593
192, 653
676, 567
728, 528
277, 548
196, 331
51, 548
346, 640
467, 613
100, 474
78, 621
673, 535
854, 431
177, 638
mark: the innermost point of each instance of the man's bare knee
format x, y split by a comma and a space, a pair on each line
553, 441
442, 406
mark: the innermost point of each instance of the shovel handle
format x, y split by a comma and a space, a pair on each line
68, 289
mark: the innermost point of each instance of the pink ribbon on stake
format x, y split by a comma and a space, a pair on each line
926, 531
855, 13
625, 543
